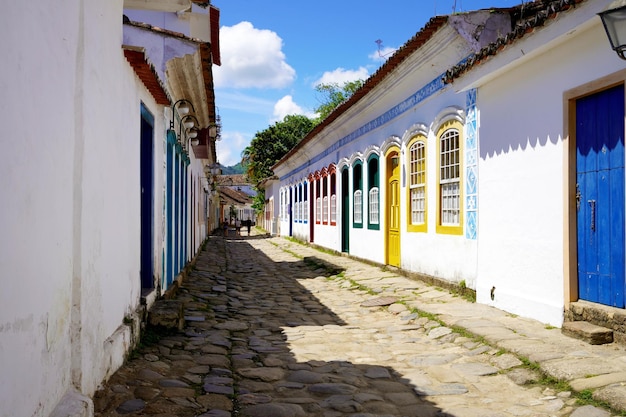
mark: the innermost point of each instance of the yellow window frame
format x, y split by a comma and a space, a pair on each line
417, 228
441, 228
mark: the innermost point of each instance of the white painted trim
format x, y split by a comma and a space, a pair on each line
448, 114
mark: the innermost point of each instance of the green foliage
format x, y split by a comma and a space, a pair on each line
258, 201
270, 145
235, 169
333, 95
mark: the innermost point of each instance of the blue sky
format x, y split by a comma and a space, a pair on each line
275, 52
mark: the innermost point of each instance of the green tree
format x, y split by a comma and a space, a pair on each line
269, 146
333, 95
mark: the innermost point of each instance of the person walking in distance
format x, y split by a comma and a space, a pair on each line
238, 226
248, 225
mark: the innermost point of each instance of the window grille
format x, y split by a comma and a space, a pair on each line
325, 210
305, 211
333, 209
297, 211
417, 184
318, 210
358, 206
450, 178
373, 205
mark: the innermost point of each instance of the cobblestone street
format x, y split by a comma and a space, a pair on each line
278, 329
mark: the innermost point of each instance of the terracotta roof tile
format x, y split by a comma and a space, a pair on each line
526, 17
234, 196
147, 74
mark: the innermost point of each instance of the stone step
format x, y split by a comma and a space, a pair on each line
588, 332
167, 314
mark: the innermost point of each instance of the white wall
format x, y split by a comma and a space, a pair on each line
69, 171
37, 165
521, 175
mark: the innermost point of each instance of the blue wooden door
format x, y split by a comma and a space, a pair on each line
147, 199
345, 210
600, 196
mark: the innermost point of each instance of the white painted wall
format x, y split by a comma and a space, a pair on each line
69, 170
521, 174
520, 245
37, 167
272, 207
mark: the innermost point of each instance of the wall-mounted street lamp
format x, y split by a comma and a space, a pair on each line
614, 21
211, 172
187, 127
215, 129
192, 134
184, 106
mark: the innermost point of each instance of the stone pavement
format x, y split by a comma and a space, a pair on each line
278, 329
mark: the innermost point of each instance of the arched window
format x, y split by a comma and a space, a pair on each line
333, 199
450, 191
357, 191
305, 205
297, 203
325, 199
373, 199
417, 185
318, 201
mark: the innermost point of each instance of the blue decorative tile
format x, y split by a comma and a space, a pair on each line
471, 181
471, 225
471, 157
471, 167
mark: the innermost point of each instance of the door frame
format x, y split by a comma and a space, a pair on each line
387, 203
570, 242
311, 214
345, 209
146, 269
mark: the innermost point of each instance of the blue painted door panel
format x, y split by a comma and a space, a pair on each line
147, 199
600, 196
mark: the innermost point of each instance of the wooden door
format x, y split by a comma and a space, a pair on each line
393, 209
600, 196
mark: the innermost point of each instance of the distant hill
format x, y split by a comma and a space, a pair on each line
235, 169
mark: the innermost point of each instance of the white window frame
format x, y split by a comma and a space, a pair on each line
318, 210
450, 177
325, 210
358, 207
373, 206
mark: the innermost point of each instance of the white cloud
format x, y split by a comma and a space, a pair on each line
286, 106
383, 54
342, 75
230, 147
251, 58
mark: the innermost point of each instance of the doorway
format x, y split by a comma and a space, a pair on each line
147, 198
600, 196
392, 237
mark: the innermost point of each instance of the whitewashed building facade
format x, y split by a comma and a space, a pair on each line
84, 171
461, 160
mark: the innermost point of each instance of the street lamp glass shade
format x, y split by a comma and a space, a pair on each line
614, 21
188, 124
195, 142
183, 109
192, 134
